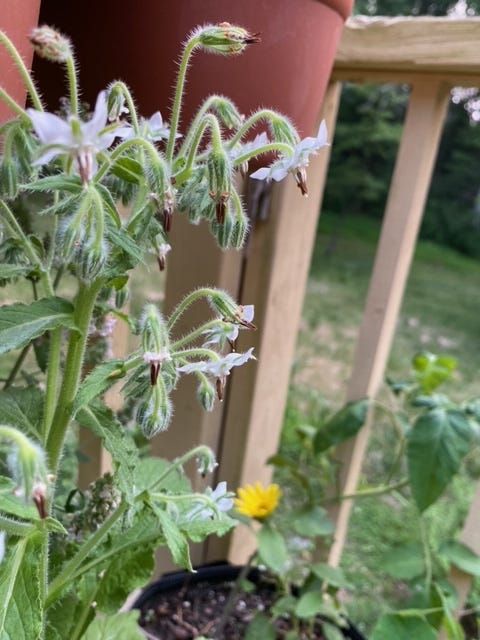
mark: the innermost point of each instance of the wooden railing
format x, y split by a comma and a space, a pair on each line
431, 55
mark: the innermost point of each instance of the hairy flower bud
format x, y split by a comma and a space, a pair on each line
51, 44
219, 176
155, 415
225, 38
227, 112
206, 394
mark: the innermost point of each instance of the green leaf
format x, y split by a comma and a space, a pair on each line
21, 323
461, 557
343, 425
121, 626
312, 604
175, 539
126, 571
272, 548
157, 473
331, 632
198, 530
437, 444
21, 614
117, 441
392, 626
452, 626
119, 239
128, 169
284, 605
22, 408
260, 628
431, 370
99, 380
8, 271
313, 522
404, 562
333, 576
109, 204
13, 505
55, 183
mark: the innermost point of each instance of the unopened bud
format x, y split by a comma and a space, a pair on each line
51, 44
239, 231
91, 259
226, 39
206, 395
9, 178
223, 303
223, 230
156, 414
121, 297
228, 112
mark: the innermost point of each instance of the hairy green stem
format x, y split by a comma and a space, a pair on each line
84, 304
200, 352
51, 383
177, 101
24, 72
72, 84
17, 366
89, 545
130, 104
10, 102
183, 305
368, 493
283, 147
209, 122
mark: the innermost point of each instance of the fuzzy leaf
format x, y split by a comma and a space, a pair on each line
102, 377
22, 408
272, 548
128, 169
21, 323
437, 444
393, 626
8, 271
21, 612
118, 443
175, 539
461, 557
149, 471
13, 505
343, 425
55, 183
109, 204
128, 570
121, 626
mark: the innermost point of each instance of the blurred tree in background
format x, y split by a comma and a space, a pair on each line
368, 132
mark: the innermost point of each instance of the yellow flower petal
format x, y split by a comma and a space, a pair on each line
257, 501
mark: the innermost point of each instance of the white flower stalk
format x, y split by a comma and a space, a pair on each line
295, 163
80, 141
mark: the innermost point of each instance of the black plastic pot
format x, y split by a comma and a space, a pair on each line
211, 574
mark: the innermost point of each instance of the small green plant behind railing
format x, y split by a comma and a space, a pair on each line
67, 564
433, 435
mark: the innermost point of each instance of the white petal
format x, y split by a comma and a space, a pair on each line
97, 123
50, 128
46, 156
261, 174
248, 311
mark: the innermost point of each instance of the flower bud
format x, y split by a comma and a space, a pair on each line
121, 297
228, 112
155, 415
51, 44
91, 259
225, 39
9, 178
224, 304
116, 102
206, 394
219, 177
154, 332
282, 130
223, 231
206, 462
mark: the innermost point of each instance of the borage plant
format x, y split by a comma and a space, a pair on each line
68, 565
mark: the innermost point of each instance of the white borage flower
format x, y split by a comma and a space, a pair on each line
222, 498
81, 141
153, 128
241, 149
219, 335
295, 163
219, 368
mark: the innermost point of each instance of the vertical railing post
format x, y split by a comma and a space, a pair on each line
403, 214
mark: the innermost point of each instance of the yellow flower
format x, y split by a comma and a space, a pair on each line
258, 501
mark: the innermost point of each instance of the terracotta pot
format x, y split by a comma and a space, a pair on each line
198, 588
140, 43
17, 19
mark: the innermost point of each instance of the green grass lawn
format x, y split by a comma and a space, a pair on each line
440, 313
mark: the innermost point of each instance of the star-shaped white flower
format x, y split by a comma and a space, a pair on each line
295, 163
81, 141
153, 128
219, 368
